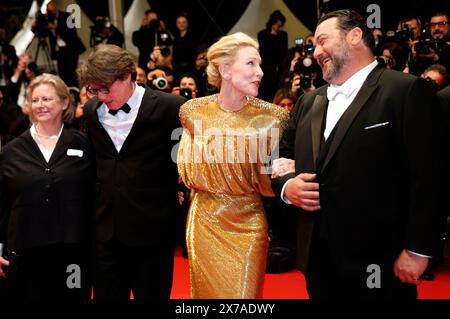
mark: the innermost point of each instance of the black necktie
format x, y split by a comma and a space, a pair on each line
126, 108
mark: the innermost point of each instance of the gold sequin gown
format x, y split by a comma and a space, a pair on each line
227, 233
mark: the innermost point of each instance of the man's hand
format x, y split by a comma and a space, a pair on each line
303, 193
409, 267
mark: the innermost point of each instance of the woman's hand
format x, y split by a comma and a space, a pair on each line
282, 166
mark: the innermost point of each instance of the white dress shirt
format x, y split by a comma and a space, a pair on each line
45, 152
343, 95
341, 102
119, 126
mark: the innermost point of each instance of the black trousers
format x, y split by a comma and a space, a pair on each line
145, 270
325, 280
54, 272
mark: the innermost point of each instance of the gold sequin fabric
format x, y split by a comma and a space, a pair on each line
223, 158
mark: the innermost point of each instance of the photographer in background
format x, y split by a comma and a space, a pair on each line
141, 77
8, 59
152, 33
392, 56
103, 31
188, 86
431, 46
65, 44
201, 61
160, 79
304, 74
437, 74
440, 31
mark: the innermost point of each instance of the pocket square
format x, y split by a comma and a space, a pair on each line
376, 125
74, 152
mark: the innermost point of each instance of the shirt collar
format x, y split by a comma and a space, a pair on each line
133, 101
357, 79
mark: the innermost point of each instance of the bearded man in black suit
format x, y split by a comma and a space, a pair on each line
370, 171
131, 127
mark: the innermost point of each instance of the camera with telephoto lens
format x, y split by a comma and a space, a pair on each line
305, 67
40, 28
162, 39
160, 83
426, 43
186, 92
404, 35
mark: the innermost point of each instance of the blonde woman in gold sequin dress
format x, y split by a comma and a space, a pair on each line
226, 143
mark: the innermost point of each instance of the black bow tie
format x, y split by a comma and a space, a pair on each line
126, 108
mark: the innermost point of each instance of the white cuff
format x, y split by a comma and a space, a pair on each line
287, 201
420, 255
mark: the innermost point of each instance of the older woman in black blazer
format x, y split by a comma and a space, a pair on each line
47, 180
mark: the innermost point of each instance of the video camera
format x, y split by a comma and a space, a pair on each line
98, 34
303, 48
404, 35
426, 43
40, 28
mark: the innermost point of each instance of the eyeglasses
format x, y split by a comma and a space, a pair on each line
93, 91
440, 24
44, 100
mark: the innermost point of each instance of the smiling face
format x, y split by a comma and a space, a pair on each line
245, 73
440, 27
46, 105
331, 51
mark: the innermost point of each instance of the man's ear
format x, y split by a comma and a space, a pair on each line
354, 36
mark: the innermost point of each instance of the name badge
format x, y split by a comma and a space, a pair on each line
73, 152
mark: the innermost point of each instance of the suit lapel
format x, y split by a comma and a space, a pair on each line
92, 114
145, 109
62, 145
349, 115
32, 148
317, 113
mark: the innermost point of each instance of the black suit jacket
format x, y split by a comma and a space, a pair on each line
45, 203
137, 187
69, 35
383, 179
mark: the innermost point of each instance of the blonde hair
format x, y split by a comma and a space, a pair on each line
224, 52
61, 90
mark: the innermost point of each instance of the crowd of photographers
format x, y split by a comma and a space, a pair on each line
421, 49
173, 60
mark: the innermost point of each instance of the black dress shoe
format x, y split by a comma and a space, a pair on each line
427, 275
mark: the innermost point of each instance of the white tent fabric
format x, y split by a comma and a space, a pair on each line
257, 13
24, 37
132, 22
252, 21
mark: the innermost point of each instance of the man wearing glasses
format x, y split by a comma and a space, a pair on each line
130, 127
440, 31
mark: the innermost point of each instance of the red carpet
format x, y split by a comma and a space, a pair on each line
291, 285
